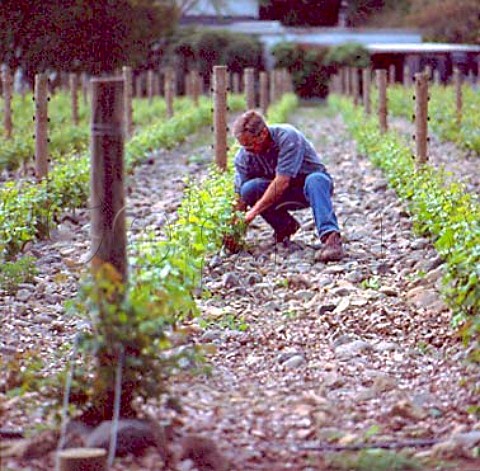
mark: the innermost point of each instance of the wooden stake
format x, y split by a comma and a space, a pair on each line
391, 74
127, 105
366, 79
436, 77
355, 85
382, 99
348, 81
188, 84
85, 88
421, 118
41, 126
407, 79
74, 97
83, 459
457, 80
169, 91
150, 86
107, 196
7, 97
264, 92
236, 83
195, 86
273, 91
428, 72
249, 76
220, 114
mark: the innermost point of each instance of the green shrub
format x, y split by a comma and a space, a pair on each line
309, 74
347, 55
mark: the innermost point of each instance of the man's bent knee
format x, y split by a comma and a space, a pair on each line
318, 180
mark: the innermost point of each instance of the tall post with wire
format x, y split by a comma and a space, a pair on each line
7, 97
41, 126
220, 115
382, 99
421, 118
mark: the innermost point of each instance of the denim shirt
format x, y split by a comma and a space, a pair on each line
291, 155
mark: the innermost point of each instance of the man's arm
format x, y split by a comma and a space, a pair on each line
272, 194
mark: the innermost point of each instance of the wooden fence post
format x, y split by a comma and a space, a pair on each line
348, 81
249, 75
264, 92
428, 72
84, 80
7, 97
220, 115
382, 99
127, 106
355, 86
83, 459
108, 234
366, 78
272, 86
436, 77
421, 118
195, 86
407, 80
73, 79
236, 83
169, 91
457, 80
391, 74
150, 86
41, 126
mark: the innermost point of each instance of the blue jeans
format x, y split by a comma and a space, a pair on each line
315, 192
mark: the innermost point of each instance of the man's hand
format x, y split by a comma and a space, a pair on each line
250, 216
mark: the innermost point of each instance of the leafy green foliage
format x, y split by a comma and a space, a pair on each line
13, 273
373, 460
441, 210
442, 113
348, 55
309, 74
28, 209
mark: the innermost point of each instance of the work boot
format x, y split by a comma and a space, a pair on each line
332, 250
286, 232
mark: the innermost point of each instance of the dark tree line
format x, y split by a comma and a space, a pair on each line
94, 36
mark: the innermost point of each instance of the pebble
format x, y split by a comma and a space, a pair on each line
352, 349
294, 362
23, 295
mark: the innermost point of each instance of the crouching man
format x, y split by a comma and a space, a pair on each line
277, 170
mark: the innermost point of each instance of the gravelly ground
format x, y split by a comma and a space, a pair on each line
334, 352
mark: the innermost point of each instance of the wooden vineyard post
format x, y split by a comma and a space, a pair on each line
428, 72
236, 83
436, 77
264, 92
41, 126
150, 78
83, 459
84, 81
74, 97
343, 81
138, 86
188, 84
348, 81
7, 97
249, 75
108, 235
421, 118
391, 74
407, 82
355, 86
127, 106
366, 90
382, 99
273, 90
457, 81
169, 91
220, 115
195, 87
